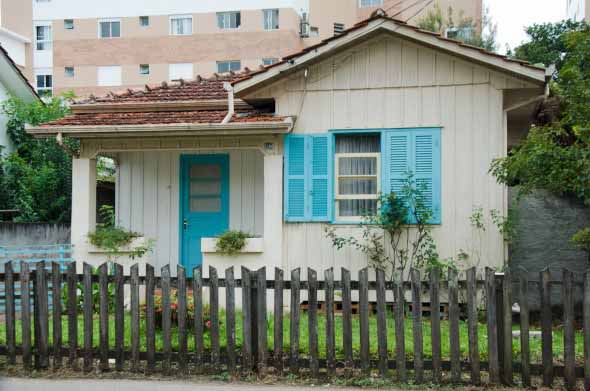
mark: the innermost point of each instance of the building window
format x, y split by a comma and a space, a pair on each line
338, 28
44, 84
269, 61
271, 19
69, 71
144, 69
229, 20
69, 24
357, 163
226, 66
109, 28
180, 71
181, 25
370, 3
461, 34
109, 76
43, 37
144, 21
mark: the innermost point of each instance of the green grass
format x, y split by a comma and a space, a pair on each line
535, 343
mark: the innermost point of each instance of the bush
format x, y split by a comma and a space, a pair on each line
231, 242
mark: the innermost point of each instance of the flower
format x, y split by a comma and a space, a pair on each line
208, 324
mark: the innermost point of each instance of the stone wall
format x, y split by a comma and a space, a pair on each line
33, 234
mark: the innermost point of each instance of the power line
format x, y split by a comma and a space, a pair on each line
420, 10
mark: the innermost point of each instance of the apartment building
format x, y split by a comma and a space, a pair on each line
578, 9
113, 45
16, 32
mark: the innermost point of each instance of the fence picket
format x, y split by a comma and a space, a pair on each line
381, 322
103, 286
417, 326
57, 312
491, 320
10, 313
230, 319
247, 348
214, 315
312, 317
347, 321
88, 311
42, 303
72, 282
166, 320
25, 305
364, 320
330, 329
198, 321
182, 321
569, 341
400, 340
150, 318
278, 320
525, 360
586, 308
472, 333
294, 329
134, 288
507, 329
119, 290
454, 326
261, 319
435, 325
546, 328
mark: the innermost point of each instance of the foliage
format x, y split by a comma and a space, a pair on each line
485, 36
231, 242
112, 238
547, 43
36, 178
581, 240
404, 221
555, 155
95, 295
190, 311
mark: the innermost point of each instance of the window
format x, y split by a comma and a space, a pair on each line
144, 21
271, 19
338, 28
144, 69
109, 29
181, 25
69, 71
44, 84
109, 76
43, 37
462, 34
370, 3
180, 71
229, 20
69, 24
357, 179
226, 66
269, 61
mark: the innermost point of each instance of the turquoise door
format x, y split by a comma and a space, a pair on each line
204, 203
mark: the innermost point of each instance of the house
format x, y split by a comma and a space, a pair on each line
261, 151
12, 81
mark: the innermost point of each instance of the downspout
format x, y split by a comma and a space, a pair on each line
59, 138
230, 103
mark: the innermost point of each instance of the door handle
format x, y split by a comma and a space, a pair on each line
185, 224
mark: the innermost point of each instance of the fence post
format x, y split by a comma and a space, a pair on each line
261, 319
254, 318
248, 361
568, 329
546, 328
491, 320
499, 289
10, 313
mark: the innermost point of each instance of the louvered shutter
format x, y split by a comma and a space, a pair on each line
295, 186
396, 159
321, 167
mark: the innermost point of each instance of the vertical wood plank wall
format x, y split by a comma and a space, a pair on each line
148, 196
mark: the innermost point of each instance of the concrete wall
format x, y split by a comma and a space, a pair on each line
33, 234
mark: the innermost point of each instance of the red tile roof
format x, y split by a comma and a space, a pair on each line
161, 118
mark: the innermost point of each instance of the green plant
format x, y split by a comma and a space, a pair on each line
112, 238
581, 240
231, 242
95, 295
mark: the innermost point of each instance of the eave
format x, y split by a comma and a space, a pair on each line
142, 107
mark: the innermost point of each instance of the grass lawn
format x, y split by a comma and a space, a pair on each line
482, 340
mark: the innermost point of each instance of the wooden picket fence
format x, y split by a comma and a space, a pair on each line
254, 354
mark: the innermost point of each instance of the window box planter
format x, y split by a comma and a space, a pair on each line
124, 250
253, 245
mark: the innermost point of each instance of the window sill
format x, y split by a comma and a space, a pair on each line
253, 246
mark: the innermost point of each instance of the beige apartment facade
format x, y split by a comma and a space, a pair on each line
16, 33
578, 10
113, 47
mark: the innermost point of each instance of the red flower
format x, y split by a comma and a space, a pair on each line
208, 324
173, 305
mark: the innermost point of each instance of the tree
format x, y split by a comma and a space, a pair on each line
466, 29
36, 178
547, 45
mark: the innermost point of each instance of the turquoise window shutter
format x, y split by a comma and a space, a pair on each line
320, 184
396, 157
295, 180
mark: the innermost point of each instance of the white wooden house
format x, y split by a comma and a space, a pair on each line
306, 143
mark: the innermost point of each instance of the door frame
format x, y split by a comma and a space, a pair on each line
183, 182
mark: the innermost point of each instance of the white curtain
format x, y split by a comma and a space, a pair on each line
182, 26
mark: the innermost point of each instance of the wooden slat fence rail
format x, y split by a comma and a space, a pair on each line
191, 324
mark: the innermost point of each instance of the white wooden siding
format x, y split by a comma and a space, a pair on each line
147, 196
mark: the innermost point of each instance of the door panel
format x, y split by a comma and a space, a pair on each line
204, 192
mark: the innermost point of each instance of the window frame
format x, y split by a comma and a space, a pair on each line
230, 62
268, 61
265, 18
110, 21
229, 13
181, 17
142, 67
47, 42
44, 91
143, 18
68, 74
372, 3
68, 23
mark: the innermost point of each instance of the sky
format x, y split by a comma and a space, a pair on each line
512, 16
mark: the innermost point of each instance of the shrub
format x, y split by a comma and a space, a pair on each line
231, 242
